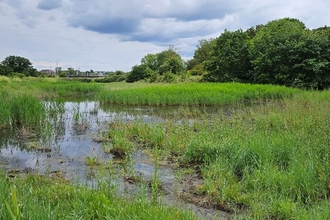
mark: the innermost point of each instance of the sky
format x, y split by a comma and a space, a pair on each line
110, 35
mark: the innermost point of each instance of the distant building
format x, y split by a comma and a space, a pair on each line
46, 71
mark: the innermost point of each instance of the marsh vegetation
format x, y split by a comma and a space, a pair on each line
240, 151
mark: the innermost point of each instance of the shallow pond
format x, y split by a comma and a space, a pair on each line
73, 135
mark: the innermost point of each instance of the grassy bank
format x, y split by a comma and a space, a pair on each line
48, 87
196, 94
43, 198
266, 161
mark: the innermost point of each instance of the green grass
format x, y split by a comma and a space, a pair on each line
195, 94
21, 111
43, 198
48, 87
266, 161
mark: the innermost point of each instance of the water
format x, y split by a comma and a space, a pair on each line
73, 133
66, 147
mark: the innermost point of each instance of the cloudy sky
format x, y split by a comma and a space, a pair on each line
117, 34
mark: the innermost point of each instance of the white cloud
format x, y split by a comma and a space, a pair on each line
112, 34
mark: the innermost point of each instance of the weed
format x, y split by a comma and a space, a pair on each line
155, 184
91, 161
13, 210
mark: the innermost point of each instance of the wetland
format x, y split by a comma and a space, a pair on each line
194, 151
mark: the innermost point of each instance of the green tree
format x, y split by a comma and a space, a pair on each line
139, 72
311, 67
202, 53
273, 51
151, 60
18, 64
204, 50
191, 63
229, 59
5, 70
170, 61
284, 52
71, 71
163, 62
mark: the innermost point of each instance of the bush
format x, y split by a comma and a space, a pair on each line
113, 78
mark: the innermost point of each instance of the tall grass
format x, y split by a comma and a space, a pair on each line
272, 159
49, 87
21, 111
42, 198
66, 88
266, 161
196, 94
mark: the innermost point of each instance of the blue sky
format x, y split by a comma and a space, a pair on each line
115, 35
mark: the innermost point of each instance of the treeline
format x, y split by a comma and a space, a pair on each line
282, 52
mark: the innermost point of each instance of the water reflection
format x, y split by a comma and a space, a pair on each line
67, 137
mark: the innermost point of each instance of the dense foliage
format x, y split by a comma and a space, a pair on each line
202, 53
165, 62
282, 52
229, 59
17, 64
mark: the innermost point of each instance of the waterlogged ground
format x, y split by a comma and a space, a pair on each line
72, 141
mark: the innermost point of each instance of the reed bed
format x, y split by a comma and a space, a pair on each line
66, 88
196, 94
269, 161
21, 111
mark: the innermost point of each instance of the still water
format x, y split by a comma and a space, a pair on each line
72, 135
74, 131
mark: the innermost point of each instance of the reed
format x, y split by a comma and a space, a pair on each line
21, 111
272, 159
266, 161
196, 94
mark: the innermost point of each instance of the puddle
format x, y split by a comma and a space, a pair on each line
72, 136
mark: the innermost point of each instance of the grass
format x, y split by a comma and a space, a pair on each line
145, 93
41, 198
195, 94
21, 111
45, 88
266, 161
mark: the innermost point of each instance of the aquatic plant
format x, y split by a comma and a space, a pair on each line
91, 161
21, 112
196, 94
